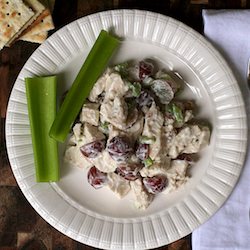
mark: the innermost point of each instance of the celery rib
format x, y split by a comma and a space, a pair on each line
89, 73
41, 101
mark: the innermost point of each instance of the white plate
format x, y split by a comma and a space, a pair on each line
98, 218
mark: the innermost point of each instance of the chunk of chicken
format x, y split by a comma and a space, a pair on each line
190, 139
73, 154
104, 162
90, 113
115, 112
131, 133
177, 175
153, 129
99, 87
142, 197
118, 185
92, 133
156, 169
115, 86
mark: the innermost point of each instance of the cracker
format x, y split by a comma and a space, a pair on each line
35, 38
35, 5
43, 23
37, 8
14, 15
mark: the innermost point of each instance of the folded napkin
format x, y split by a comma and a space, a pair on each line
229, 228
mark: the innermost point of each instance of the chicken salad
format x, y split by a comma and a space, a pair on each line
134, 135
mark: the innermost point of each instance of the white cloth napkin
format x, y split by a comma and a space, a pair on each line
229, 228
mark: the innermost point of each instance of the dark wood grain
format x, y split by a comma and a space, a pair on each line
20, 226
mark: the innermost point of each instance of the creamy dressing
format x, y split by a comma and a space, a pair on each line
74, 156
191, 139
99, 87
115, 86
90, 114
92, 133
132, 133
156, 169
109, 114
153, 129
104, 162
115, 112
118, 185
142, 197
177, 175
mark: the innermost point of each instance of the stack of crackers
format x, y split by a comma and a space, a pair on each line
27, 20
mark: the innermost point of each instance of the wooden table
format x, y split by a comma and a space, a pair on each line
20, 226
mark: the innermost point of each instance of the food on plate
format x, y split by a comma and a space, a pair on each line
14, 16
37, 32
135, 135
38, 9
41, 100
92, 68
27, 20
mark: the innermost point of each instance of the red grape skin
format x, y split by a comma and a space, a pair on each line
119, 148
155, 184
145, 69
96, 178
92, 149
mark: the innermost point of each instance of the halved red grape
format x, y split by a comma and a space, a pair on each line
145, 69
145, 98
96, 178
155, 184
119, 148
129, 171
92, 149
142, 151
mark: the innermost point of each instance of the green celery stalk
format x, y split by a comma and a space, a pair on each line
92, 68
105, 127
148, 162
41, 100
122, 68
177, 113
135, 88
